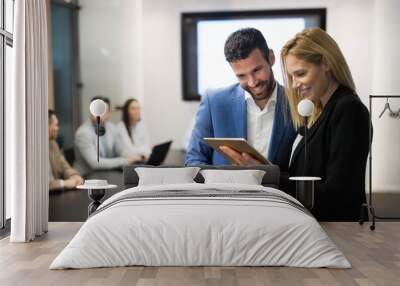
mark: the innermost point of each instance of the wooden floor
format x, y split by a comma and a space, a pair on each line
375, 257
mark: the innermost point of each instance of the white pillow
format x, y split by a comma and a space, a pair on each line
163, 176
248, 177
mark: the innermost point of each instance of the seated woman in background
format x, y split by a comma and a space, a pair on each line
338, 136
132, 132
61, 174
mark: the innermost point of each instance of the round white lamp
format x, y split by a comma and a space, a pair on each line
98, 108
305, 185
305, 107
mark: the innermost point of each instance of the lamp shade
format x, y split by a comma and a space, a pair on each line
305, 107
98, 107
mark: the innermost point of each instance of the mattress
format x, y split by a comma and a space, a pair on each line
201, 225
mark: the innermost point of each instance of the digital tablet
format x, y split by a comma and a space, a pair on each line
238, 144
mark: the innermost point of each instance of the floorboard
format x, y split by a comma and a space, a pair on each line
374, 255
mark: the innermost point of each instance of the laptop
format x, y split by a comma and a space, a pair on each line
158, 154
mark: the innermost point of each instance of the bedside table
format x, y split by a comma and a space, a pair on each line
95, 194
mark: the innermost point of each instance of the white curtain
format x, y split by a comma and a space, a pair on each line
26, 124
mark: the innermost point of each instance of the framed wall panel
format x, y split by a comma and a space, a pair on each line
203, 37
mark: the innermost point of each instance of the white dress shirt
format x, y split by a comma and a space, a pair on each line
294, 146
260, 122
86, 149
138, 144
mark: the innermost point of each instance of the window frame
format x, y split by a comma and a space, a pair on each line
6, 39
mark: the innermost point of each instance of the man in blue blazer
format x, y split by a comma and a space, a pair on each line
256, 108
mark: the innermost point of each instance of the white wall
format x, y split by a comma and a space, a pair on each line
143, 40
386, 80
133, 49
108, 51
168, 116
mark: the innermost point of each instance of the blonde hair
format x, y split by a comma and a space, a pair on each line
315, 46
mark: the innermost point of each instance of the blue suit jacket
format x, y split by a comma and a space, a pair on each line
223, 113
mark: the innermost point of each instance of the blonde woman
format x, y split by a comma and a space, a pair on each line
338, 137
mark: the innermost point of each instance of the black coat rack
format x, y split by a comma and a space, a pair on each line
369, 204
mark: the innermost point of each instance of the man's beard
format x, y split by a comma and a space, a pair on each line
269, 87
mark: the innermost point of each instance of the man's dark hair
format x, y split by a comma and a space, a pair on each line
241, 43
51, 113
103, 98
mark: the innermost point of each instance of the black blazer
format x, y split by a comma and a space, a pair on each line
338, 145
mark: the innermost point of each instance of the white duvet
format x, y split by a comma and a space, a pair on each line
200, 231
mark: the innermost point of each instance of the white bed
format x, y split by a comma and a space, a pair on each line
239, 229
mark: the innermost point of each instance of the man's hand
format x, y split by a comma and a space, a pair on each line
70, 183
73, 181
132, 159
78, 180
241, 159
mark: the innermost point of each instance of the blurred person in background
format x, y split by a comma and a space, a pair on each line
62, 175
132, 132
110, 149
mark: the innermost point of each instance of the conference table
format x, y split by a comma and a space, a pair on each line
72, 205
